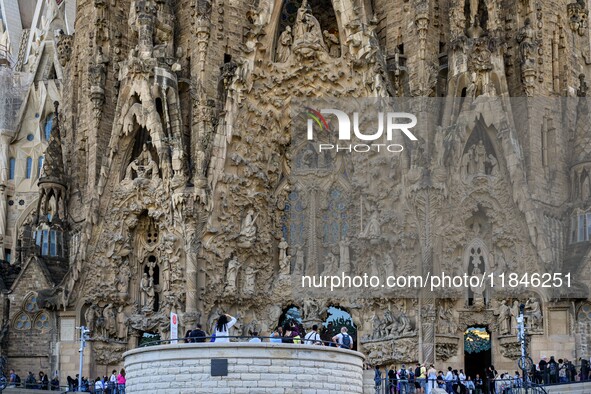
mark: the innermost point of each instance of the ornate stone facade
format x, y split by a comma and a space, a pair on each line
169, 178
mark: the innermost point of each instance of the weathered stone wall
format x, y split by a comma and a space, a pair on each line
252, 368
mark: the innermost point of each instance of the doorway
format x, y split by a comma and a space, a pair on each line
477, 351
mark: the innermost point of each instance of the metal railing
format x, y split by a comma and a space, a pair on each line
385, 385
248, 338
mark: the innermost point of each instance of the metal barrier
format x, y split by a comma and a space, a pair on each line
386, 385
247, 338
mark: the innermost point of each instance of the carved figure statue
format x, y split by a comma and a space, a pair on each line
249, 280
527, 44
478, 291
480, 157
307, 28
311, 309
492, 161
372, 230
143, 166
123, 280
405, 325
232, 275
514, 315
534, 313
333, 43
147, 292
284, 45
299, 261
110, 321
89, 317
446, 324
248, 228
503, 313
177, 159
282, 250
121, 323
330, 264
376, 325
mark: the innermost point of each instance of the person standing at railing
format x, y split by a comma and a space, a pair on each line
431, 379
517, 381
121, 382
222, 327
197, 335
478, 384
255, 337
470, 388
392, 381
276, 335
553, 370
313, 338
343, 339
377, 378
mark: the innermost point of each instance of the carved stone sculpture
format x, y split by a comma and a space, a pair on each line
148, 292
503, 313
333, 43
143, 167
232, 275
121, 323
110, 321
533, 313
284, 45
248, 229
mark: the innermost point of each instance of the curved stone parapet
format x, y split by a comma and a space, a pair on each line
251, 368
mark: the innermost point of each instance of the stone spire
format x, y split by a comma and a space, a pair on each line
53, 165
582, 137
52, 182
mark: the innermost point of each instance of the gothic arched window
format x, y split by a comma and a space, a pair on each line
29, 167
294, 219
335, 219
581, 226
11, 167
40, 166
48, 126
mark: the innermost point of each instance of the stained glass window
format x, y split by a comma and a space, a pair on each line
29, 167
42, 321
12, 166
294, 219
48, 126
22, 322
335, 220
39, 166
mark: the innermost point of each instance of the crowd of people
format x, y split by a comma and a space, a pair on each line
558, 371
290, 332
424, 378
115, 384
40, 382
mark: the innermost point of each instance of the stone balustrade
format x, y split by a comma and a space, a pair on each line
251, 368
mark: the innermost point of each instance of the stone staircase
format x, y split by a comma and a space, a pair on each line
575, 388
28, 391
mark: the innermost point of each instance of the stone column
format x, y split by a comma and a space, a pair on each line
191, 272
4, 168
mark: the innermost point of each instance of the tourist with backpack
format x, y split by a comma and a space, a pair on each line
420, 378
13, 379
343, 339
403, 380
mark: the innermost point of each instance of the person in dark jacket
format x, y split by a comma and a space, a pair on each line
197, 335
